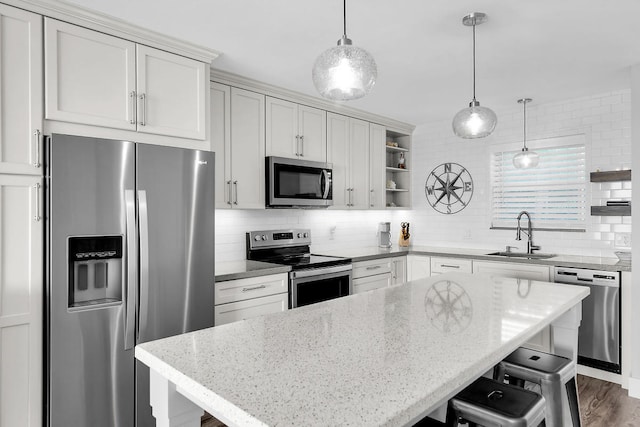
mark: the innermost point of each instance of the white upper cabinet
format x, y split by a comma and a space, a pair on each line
246, 185
95, 79
348, 152
90, 77
295, 131
171, 94
377, 135
221, 141
20, 91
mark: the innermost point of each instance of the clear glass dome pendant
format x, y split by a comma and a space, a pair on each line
344, 72
525, 159
475, 121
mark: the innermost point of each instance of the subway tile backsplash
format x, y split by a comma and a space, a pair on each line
605, 119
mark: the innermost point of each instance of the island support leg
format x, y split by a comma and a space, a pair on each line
169, 407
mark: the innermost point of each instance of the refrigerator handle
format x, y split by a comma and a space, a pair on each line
144, 261
130, 317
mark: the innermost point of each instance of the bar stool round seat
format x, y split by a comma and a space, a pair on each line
495, 404
551, 372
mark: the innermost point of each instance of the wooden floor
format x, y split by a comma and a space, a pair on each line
602, 404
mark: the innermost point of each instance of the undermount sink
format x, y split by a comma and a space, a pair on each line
522, 255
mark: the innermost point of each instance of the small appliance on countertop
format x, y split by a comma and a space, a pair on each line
384, 234
313, 278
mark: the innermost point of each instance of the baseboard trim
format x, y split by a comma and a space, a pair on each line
600, 374
634, 387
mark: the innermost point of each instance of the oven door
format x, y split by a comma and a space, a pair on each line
319, 284
302, 183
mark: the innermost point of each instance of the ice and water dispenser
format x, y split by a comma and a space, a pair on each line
95, 270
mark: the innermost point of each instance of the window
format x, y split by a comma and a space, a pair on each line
554, 193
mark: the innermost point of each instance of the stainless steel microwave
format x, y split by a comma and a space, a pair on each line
293, 183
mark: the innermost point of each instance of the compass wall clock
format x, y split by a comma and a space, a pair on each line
449, 188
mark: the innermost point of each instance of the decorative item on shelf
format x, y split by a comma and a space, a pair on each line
525, 159
401, 163
392, 144
618, 202
344, 72
449, 188
475, 121
391, 184
403, 239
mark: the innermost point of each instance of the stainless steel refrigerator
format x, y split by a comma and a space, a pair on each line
129, 259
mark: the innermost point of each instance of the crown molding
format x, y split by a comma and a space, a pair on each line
84, 17
236, 80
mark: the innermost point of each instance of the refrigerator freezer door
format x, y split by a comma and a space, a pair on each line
176, 208
90, 374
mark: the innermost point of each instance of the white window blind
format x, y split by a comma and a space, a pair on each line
554, 193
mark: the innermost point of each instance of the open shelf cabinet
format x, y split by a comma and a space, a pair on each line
398, 170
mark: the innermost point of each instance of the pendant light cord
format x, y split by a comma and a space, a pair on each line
344, 10
524, 126
474, 60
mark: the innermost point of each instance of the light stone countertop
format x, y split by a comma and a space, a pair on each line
381, 358
243, 269
374, 252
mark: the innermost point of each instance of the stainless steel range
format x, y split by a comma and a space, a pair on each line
313, 278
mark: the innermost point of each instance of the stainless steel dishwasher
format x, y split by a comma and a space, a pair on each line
599, 333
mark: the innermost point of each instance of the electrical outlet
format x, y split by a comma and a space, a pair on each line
466, 234
622, 240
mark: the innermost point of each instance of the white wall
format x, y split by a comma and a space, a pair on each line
604, 118
605, 121
353, 229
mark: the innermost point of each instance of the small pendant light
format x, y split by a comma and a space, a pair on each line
475, 121
525, 159
344, 72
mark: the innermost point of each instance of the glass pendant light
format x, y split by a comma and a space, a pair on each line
525, 159
475, 121
344, 72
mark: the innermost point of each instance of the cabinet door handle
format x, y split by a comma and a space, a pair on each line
228, 195
36, 216
132, 105
253, 288
235, 199
36, 156
449, 266
298, 145
301, 145
143, 110
371, 198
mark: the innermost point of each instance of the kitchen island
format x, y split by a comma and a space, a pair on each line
386, 357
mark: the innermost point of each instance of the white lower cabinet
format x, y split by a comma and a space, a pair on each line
399, 270
441, 265
372, 282
21, 296
242, 310
418, 267
542, 340
374, 274
251, 297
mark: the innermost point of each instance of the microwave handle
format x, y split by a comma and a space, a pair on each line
327, 183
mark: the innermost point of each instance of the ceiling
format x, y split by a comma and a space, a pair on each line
545, 49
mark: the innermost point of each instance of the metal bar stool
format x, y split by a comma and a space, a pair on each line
551, 372
495, 404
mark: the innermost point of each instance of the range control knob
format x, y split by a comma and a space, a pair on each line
264, 237
257, 237
306, 235
299, 235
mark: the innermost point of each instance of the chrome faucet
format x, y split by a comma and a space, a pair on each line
530, 246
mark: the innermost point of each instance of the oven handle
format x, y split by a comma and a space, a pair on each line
313, 272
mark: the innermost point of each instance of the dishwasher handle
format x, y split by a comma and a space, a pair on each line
587, 277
